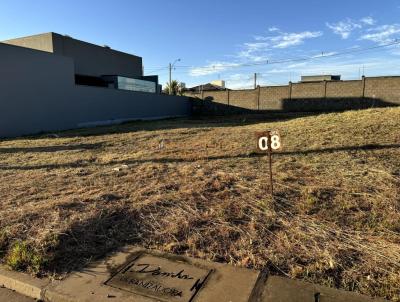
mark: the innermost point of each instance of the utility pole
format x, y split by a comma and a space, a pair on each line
171, 65
170, 78
255, 80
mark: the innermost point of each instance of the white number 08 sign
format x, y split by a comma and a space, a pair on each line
263, 143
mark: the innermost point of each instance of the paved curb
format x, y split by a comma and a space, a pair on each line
264, 288
99, 280
23, 283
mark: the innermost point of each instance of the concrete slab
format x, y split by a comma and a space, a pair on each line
279, 289
161, 278
140, 275
22, 283
7, 295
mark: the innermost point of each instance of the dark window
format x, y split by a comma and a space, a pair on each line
89, 81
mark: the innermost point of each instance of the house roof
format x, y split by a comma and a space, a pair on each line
206, 87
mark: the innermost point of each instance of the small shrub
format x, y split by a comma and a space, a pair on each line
22, 257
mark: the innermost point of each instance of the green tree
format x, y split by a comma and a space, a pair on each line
175, 89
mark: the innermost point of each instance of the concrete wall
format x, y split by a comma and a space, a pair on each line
270, 97
242, 98
90, 59
38, 93
43, 42
345, 89
307, 90
383, 88
94, 60
315, 96
217, 96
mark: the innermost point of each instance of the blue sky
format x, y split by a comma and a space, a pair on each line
229, 40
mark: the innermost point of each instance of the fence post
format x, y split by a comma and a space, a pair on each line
228, 96
363, 87
258, 97
325, 84
290, 90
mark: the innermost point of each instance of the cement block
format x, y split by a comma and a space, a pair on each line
280, 289
22, 283
141, 275
7, 295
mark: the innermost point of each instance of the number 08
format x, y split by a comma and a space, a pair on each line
275, 142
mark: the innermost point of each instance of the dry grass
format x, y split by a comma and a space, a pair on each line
335, 219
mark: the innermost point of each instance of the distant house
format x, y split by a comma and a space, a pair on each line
218, 85
320, 78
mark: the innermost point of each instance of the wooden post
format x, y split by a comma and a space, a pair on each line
363, 87
258, 98
290, 90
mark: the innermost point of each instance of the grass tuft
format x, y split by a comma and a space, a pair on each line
22, 257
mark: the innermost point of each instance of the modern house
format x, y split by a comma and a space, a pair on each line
94, 65
54, 82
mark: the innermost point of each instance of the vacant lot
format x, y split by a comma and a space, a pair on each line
197, 187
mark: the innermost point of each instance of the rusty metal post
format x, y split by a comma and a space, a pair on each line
270, 164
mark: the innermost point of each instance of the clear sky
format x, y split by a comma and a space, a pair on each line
229, 40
